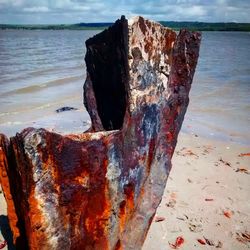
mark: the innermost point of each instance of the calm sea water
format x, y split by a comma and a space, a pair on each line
42, 71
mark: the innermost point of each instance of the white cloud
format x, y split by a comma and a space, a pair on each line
36, 9
71, 11
193, 11
14, 3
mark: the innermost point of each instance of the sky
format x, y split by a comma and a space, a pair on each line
75, 11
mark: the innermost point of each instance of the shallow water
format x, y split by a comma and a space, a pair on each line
220, 95
42, 71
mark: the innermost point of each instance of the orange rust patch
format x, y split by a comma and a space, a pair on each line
126, 206
168, 45
37, 237
7, 193
98, 212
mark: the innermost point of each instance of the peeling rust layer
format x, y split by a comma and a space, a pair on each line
100, 189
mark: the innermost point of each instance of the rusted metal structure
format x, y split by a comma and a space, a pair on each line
100, 189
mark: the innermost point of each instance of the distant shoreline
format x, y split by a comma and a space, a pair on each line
195, 26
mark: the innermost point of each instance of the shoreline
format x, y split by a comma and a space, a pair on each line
78, 121
206, 195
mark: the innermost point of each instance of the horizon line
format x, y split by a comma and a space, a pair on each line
104, 22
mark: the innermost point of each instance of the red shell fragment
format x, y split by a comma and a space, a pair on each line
159, 219
244, 154
178, 242
227, 214
201, 241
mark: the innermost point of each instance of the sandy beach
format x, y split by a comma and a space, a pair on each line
206, 200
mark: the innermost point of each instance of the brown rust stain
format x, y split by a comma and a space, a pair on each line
126, 206
136, 53
118, 245
148, 24
7, 193
149, 46
151, 152
142, 25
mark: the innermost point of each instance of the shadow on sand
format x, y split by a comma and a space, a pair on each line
6, 231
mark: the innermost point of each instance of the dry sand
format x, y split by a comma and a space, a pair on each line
207, 198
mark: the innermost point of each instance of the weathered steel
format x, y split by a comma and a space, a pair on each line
100, 189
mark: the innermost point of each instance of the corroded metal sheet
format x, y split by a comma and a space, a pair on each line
100, 189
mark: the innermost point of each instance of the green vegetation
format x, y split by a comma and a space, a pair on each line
200, 26
54, 26
174, 25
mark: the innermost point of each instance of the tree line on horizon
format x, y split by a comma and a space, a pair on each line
195, 26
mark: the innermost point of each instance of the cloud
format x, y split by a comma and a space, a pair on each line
38, 9
71, 11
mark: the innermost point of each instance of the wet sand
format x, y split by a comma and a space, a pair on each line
206, 198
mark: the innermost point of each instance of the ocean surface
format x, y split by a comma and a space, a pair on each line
41, 71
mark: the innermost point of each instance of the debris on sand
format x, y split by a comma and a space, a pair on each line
225, 162
242, 170
219, 244
209, 242
243, 237
227, 214
65, 109
187, 152
195, 227
201, 241
244, 154
171, 203
178, 242
209, 199
159, 218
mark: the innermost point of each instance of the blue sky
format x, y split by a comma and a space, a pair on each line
74, 11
